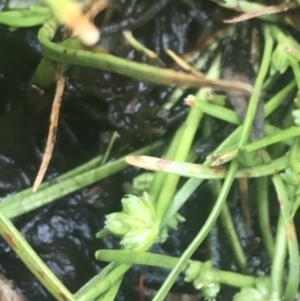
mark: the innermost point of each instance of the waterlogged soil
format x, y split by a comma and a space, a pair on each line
96, 104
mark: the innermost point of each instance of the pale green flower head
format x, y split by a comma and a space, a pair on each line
192, 271
139, 207
120, 223
206, 280
296, 116
280, 59
115, 223
140, 239
249, 294
258, 293
136, 224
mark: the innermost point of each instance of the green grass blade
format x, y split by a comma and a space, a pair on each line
33, 261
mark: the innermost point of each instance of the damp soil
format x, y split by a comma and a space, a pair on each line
96, 104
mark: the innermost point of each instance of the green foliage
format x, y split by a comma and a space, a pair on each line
136, 224
148, 217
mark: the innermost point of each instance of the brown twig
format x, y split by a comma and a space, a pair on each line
96, 8
269, 10
52, 133
183, 64
79, 23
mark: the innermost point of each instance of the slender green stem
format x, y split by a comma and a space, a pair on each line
227, 183
262, 202
46, 73
174, 98
294, 162
279, 98
170, 184
263, 215
278, 262
228, 226
96, 279
249, 7
295, 66
190, 127
282, 37
202, 171
25, 17
179, 92
108, 62
97, 287
231, 117
92, 164
26, 201
168, 262
137, 257
219, 112
207, 127
33, 262
181, 197
159, 177
138, 46
296, 204
295, 53
165, 288
289, 234
275, 138
191, 185
255, 98
109, 147
111, 293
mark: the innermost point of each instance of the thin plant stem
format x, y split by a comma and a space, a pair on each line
202, 171
191, 185
98, 278
159, 177
170, 184
33, 262
294, 162
254, 100
179, 92
228, 227
190, 127
249, 7
111, 293
25, 201
227, 183
279, 98
165, 288
275, 138
99, 285
278, 262
109, 147
289, 234
262, 202
168, 262
135, 44
295, 66
296, 205
231, 117
108, 62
